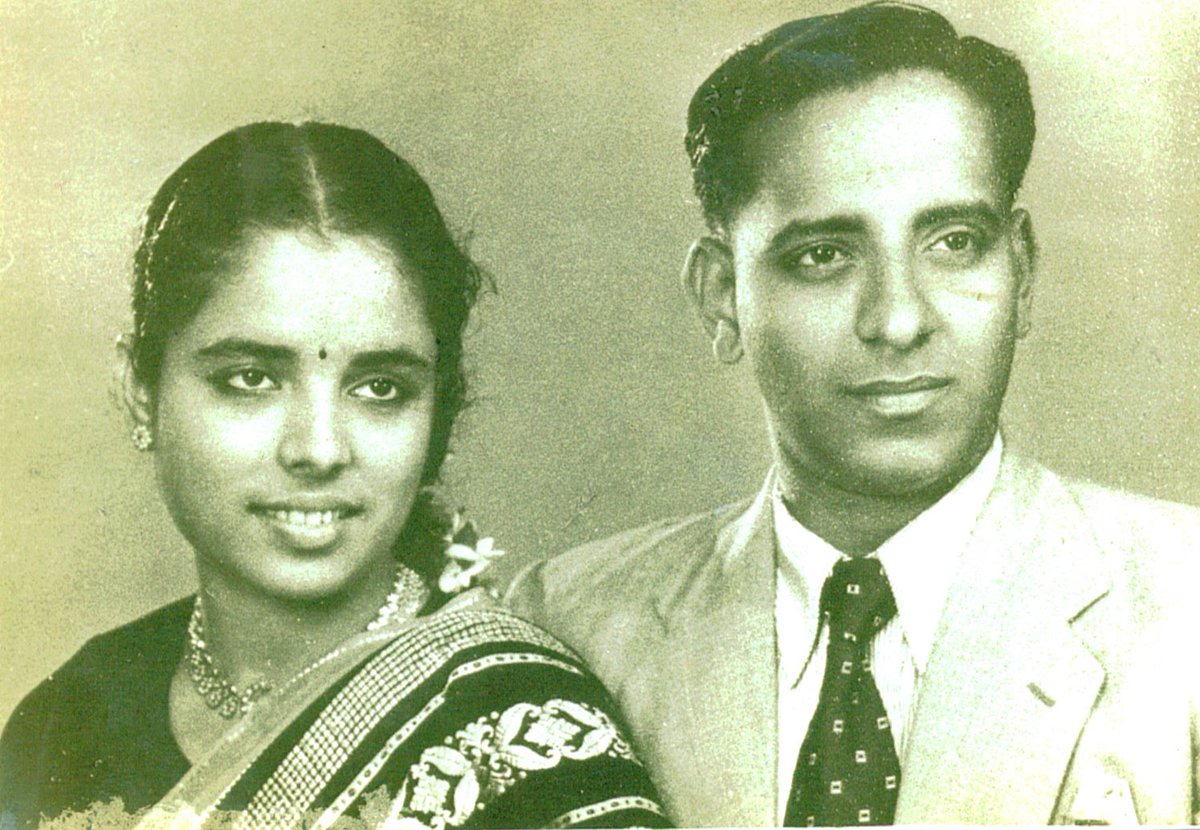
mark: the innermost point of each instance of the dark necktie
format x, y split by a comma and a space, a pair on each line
848, 772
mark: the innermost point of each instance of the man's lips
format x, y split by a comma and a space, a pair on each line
900, 397
898, 386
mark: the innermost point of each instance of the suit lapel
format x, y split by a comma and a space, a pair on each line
721, 631
1009, 685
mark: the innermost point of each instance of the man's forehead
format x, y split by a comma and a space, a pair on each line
909, 136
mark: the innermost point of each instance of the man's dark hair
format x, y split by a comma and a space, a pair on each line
815, 55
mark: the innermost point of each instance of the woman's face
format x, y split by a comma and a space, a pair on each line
292, 418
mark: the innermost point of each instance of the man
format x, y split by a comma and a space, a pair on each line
909, 623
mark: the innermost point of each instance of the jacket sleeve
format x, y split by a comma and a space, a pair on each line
526, 594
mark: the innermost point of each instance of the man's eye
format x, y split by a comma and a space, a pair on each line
250, 380
955, 242
822, 254
815, 263
377, 389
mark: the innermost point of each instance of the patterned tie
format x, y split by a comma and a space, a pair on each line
848, 771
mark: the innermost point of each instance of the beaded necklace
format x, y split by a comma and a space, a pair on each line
409, 593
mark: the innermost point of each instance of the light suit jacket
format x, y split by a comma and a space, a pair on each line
1063, 686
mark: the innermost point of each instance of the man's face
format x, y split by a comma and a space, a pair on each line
880, 284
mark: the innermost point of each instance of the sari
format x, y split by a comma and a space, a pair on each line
468, 717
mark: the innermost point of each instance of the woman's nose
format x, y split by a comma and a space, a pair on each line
314, 443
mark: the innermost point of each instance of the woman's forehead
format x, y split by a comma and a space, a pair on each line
341, 291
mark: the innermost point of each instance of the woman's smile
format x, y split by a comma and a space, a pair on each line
296, 368
290, 473
304, 527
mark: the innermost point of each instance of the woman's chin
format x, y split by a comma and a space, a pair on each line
301, 581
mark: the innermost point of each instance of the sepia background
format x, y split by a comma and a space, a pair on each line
552, 134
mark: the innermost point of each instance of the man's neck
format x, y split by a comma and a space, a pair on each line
855, 523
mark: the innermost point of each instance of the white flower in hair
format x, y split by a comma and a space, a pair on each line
467, 555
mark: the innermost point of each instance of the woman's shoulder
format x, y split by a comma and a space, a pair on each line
84, 682
507, 720
471, 649
162, 628
474, 620
104, 706
155, 637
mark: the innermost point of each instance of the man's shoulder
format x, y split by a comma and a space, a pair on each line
641, 558
1151, 545
608, 600
1120, 518
613, 582
1110, 508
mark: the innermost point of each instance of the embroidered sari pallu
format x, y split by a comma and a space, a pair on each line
468, 718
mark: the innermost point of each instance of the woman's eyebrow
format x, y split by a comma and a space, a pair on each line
230, 347
241, 347
390, 358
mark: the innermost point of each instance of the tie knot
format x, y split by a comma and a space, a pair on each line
857, 599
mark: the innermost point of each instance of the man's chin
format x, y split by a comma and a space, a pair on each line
908, 484
908, 471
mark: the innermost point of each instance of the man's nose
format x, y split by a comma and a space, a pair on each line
314, 443
893, 309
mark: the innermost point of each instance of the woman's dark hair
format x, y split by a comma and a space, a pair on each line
324, 179
816, 55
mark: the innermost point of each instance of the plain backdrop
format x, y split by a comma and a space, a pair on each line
552, 134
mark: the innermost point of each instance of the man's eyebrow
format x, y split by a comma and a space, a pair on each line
389, 359
803, 228
241, 347
979, 211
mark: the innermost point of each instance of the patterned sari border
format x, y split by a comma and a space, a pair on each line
368, 772
383, 683
601, 808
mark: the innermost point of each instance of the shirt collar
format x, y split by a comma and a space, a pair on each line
803, 562
920, 559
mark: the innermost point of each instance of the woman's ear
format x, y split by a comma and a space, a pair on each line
137, 398
708, 279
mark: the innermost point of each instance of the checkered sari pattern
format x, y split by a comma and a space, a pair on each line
468, 718
380, 685
848, 772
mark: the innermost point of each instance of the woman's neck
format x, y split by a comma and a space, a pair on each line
252, 636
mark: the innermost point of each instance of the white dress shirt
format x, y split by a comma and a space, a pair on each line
920, 562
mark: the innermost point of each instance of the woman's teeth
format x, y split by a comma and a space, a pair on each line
298, 517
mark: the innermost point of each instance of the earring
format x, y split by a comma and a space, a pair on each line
143, 439
726, 345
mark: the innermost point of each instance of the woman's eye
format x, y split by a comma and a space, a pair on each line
250, 380
377, 389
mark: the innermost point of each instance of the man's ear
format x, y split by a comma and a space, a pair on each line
138, 401
708, 278
1023, 246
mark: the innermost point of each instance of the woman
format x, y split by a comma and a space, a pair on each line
295, 368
